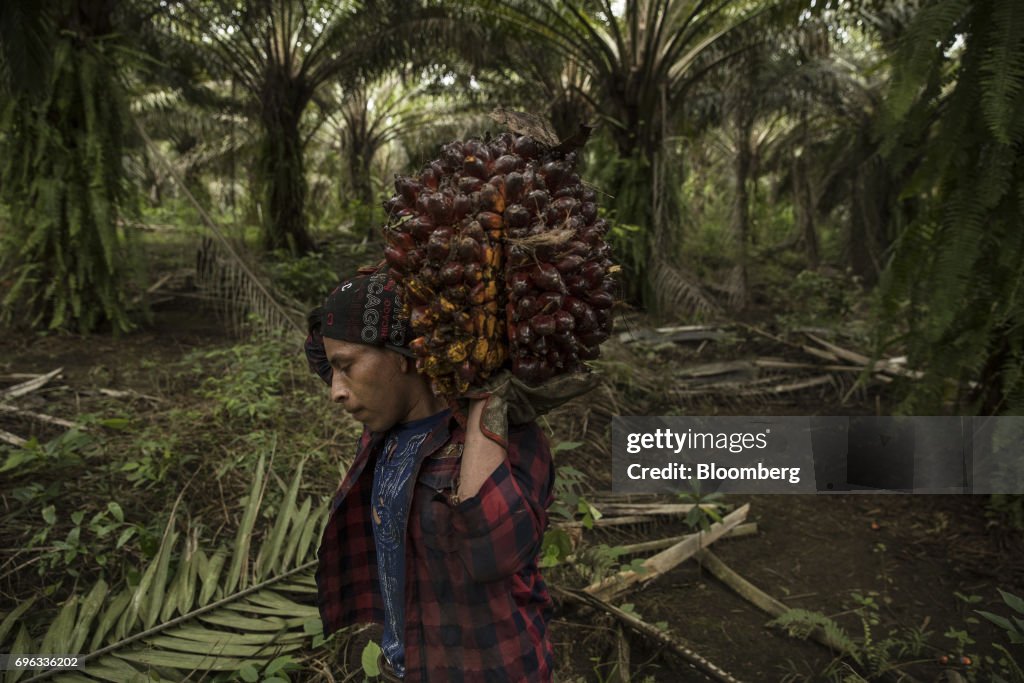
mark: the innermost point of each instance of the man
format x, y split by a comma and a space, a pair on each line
435, 529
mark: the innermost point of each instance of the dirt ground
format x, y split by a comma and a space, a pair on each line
913, 554
812, 552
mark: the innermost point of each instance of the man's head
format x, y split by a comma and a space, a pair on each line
358, 344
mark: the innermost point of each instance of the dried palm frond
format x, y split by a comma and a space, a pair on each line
678, 291
199, 618
239, 294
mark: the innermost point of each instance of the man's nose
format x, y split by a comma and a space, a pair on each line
339, 391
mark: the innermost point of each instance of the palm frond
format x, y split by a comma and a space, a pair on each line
1002, 70
679, 292
198, 618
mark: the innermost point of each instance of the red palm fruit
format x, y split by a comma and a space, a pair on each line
514, 186
539, 347
562, 208
507, 163
429, 178
519, 284
489, 220
469, 184
527, 147
576, 248
575, 306
592, 339
422, 318
524, 334
452, 155
473, 229
564, 322
549, 302
593, 273
477, 148
536, 201
458, 293
473, 273
475, 166
543, 325
419, 346
491, 199
600, 299
399, 238
393, 205
439, 207
485, 202
462, 206
576, 285
498, 181
519, 256
546, 277
568, 265
516, 216
440, 243
587, 322
555, 173
526, 308
526, 369
468, 250
420, 228
451, 273
397, 259
408, 188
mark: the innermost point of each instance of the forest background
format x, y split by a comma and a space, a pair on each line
181, 181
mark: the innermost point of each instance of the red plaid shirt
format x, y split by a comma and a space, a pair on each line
476, 607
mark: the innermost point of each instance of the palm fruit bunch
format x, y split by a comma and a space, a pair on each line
501, 255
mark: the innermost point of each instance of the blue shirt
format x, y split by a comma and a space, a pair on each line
391, 480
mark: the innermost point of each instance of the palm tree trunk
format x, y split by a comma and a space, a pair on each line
741, 212
360, 161
803, 201
283, 169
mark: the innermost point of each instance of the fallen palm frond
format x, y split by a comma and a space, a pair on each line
676, 290
648, 630
825, 631
29, 386
223, 611
240, 295
666, 560
40, 417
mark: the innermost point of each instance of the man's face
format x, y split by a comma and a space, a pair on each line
370, 383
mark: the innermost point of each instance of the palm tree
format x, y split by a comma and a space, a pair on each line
282, 53
639, 66
62, 148
363, 120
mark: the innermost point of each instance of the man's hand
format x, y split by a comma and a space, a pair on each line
508, 400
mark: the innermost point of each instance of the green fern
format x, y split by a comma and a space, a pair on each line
199, 617
800, 623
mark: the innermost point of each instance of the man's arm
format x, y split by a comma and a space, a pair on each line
480, 456
498, 516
